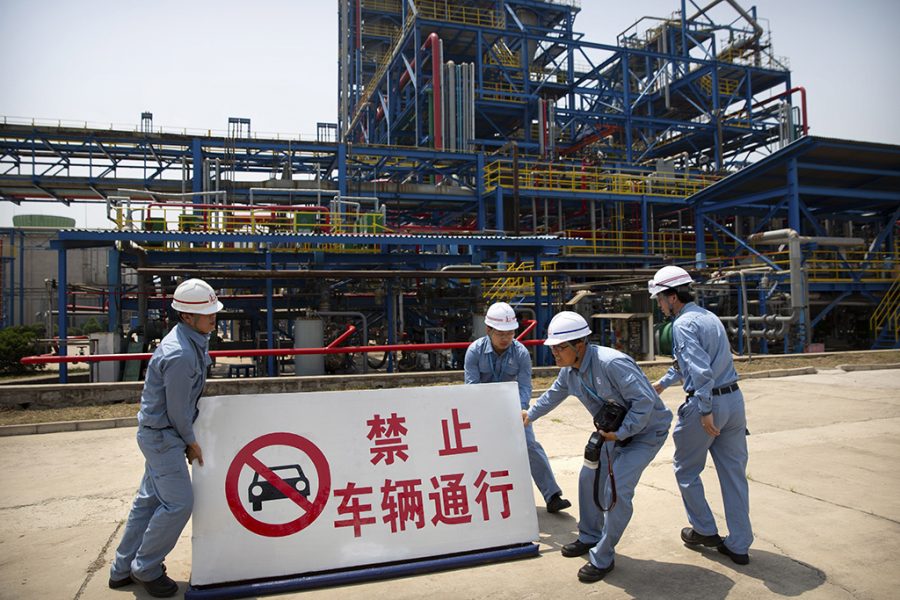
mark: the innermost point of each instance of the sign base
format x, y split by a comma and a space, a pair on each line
348, 576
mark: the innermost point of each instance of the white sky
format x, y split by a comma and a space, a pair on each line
195, 63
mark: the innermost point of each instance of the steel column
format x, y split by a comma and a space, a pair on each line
61, 282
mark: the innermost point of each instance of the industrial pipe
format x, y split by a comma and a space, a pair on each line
804, 116
774, 327
529, 325
437, 92
343, 337
365, 328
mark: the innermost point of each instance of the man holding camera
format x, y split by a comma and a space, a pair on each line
711, 419
498, 357
619, 397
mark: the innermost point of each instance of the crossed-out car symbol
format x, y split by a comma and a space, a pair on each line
261, 490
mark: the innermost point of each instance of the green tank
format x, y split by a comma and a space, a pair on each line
664, 334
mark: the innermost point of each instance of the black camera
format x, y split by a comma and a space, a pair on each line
609, 418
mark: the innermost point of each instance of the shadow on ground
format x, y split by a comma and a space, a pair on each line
556, 530
782, 575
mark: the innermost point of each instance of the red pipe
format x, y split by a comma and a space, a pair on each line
802, 91
529, 325
34, 360
343, 337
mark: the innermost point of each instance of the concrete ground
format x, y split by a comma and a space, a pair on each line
824, 493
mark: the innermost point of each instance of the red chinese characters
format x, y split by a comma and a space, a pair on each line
458, 428
350, 505
403, 502
484, 487
388, 435
451, 501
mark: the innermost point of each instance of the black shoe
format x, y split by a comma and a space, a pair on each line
161, 587
741, 559
589, 573
120, 583
576, 548
692, 538
557, 503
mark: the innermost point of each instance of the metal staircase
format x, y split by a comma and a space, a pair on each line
508, 289
885, 321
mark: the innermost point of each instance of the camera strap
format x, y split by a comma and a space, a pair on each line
590, 391
612, 479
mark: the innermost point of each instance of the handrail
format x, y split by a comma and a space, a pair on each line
576, 177
887, 309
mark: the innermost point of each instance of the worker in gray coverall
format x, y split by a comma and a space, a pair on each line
497, 357
175, 378
712, 418
597, 375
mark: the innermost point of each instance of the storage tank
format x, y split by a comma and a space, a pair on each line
309, 333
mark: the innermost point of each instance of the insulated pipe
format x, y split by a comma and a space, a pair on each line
300, 208
450, 95
172, 194
795, 260
775, 326
794, 239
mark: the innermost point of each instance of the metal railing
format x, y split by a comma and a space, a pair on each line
575, 177
888, 311
139, 215
452, 12
504, 289
827, 266
671, 244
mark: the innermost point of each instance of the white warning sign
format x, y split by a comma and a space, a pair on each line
301, 483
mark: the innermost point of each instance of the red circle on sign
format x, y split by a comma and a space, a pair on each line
245, 458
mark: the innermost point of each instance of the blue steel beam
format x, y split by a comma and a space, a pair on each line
739, 242
856, 194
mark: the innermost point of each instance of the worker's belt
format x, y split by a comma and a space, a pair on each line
157, 428
725, 389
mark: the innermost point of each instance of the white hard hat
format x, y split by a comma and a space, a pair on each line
668, 278
197, 297
501, 316
565, 326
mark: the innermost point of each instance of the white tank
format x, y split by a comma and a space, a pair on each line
479, 329
309, 333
